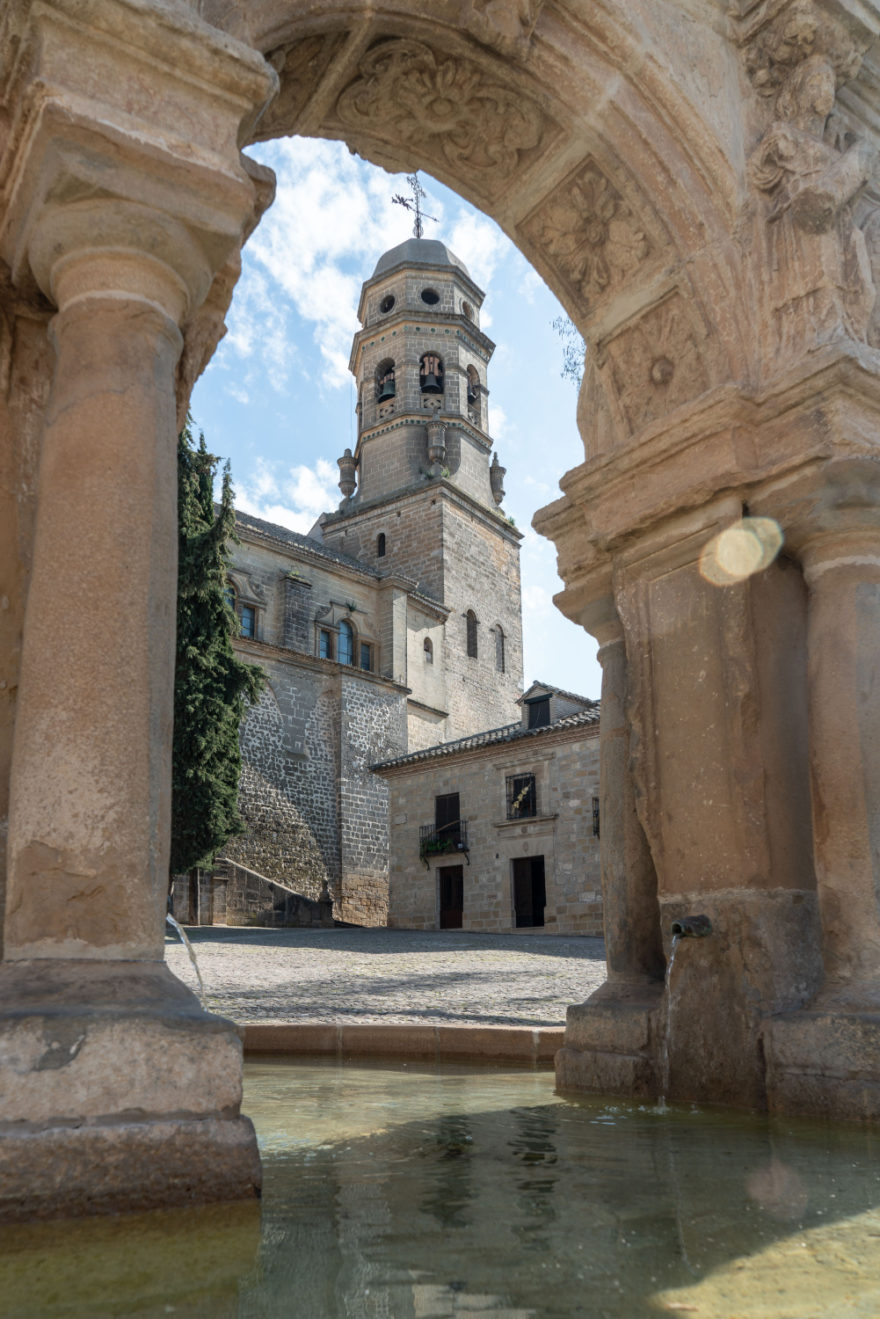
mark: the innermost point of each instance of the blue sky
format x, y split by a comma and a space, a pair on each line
278, 400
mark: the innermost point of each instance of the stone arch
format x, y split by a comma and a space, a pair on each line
631, 230
713, 249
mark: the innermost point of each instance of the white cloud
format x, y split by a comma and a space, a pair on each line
497, 421
480, 244
295, 498
536, 600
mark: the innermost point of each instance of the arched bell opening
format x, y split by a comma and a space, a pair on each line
431, 374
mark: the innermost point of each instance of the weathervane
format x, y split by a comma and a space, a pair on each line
414, 204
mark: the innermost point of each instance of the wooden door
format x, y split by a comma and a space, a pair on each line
451, 881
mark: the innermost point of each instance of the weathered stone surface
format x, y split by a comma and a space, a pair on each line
696, 193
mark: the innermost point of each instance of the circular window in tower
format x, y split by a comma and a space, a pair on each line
387, 304
431, 296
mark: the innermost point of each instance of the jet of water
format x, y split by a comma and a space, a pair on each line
192, 957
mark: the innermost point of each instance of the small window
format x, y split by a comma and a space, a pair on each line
539, 712
248, 621
471, 628
325, 644
499, 649
380, 545
345, 652
429, 651
595, 817
366, 657
522, 797
431, 297
387, 304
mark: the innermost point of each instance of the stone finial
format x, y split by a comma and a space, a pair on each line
347, 476
436, 446
496, 479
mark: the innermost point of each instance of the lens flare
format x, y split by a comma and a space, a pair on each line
747, 547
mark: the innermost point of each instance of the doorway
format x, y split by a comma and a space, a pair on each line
529, 892
451, 884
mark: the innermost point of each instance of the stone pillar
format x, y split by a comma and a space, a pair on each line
633, 947
842, 570
118, 1090
823, 1058
90, 798
609, 1039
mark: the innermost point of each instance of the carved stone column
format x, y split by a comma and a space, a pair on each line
608, 1039
91, 764
824, 1058
119, 1091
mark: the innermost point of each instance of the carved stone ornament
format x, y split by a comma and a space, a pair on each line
799, 60
506, 25
446, 107
657, 363
300, 67
589, 234
798, 33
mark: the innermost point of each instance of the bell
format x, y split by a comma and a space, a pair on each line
432, 384
386, 388
472, 393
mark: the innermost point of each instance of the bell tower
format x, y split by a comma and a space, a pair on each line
420, 361
422, 491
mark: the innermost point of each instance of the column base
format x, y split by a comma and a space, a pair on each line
612, 1041
825, 1062
117, 1092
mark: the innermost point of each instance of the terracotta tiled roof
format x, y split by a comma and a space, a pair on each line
493, 737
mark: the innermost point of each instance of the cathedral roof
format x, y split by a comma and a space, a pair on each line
308, 544
418, 252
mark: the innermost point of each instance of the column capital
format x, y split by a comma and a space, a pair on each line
829, 513
129, 115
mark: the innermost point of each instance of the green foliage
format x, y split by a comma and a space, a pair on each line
211, 687
573, 349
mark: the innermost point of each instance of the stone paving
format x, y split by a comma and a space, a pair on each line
379, 975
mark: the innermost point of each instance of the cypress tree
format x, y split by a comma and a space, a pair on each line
211, 687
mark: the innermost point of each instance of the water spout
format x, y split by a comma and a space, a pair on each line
691, 927
192, 957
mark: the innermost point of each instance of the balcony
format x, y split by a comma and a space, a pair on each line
449, 838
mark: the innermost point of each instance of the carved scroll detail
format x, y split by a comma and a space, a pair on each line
657, 363
589, 234
446, 106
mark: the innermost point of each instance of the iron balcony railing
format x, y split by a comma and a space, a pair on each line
439, 842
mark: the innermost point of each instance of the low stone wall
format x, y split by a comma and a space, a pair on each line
231, 894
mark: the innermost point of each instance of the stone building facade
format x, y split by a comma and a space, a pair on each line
500, 831
396, 623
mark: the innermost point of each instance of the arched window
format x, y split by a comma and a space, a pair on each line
499, 648
345, 645
471, 623
473, 385
380, 545
385, 385
431, 374
429, 651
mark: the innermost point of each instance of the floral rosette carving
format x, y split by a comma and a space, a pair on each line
407, 92
590, 234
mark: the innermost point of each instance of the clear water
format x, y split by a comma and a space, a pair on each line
417, 1192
